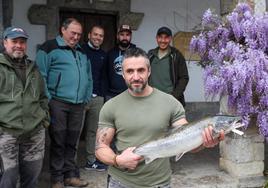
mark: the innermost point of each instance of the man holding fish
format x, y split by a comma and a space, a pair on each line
137, 116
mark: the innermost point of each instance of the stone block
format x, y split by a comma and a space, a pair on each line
251, 182
250, 169
242, 150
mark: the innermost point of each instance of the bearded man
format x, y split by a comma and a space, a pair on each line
116, 83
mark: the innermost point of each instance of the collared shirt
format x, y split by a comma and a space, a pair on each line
160, 77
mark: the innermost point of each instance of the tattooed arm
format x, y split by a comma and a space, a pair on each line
127, 159
102, 149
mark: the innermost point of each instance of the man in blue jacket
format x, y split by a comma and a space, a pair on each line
67, 74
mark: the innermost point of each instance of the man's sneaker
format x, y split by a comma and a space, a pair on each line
75, 182
96, 165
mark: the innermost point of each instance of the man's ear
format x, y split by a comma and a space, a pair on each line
4, 42
62, 29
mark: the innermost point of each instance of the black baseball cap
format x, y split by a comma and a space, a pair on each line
15, 32
164, 30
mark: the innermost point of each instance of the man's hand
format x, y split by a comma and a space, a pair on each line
128, 159
208, 139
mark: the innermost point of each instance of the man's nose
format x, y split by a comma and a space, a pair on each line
136, 76
76, 36
19, 44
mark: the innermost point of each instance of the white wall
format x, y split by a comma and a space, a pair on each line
36, 33
177, 14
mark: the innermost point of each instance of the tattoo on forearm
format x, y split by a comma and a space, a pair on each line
101, 137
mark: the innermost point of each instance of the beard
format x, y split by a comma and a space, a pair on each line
17, 54
124, 43
139, 89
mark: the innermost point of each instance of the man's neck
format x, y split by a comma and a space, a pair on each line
91, 46
15, 60
123, 48
162, 53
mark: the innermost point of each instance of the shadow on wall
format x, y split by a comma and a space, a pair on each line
198, 110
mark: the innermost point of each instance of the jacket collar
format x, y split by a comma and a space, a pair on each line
154, 52
5, 59
62, 43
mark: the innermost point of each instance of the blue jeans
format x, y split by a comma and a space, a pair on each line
21, 156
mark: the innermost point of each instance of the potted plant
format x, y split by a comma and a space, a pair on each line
234, 55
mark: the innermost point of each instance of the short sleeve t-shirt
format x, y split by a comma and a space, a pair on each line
138, 120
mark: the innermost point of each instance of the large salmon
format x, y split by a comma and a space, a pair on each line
186, 138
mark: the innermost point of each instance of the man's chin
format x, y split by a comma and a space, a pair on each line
163, 47
18, 55
72, 44
136, 89
124, 45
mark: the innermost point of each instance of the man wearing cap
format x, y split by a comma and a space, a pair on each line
168, 68
116, 83
23, 113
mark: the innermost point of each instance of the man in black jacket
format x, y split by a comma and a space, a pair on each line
168, 68
116, 83
98, 60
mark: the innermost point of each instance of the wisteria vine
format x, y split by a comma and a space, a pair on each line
234, 55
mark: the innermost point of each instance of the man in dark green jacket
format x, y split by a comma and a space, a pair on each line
23, 113
168, 68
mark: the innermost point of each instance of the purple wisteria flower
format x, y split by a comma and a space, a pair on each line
234, 55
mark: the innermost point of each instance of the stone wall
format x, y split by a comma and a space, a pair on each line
198, 110
242, 157
258, 5
49, 14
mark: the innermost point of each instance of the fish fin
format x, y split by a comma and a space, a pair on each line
178, 157
236, 131
149, 160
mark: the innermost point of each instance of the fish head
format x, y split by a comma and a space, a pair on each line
226, 123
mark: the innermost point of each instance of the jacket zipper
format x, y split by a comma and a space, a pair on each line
34, 91
78, 62
13, 86
57, 84
173, 57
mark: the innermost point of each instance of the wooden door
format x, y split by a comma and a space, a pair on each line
87, 20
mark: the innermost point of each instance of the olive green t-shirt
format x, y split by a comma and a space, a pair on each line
138, 120
160, 77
